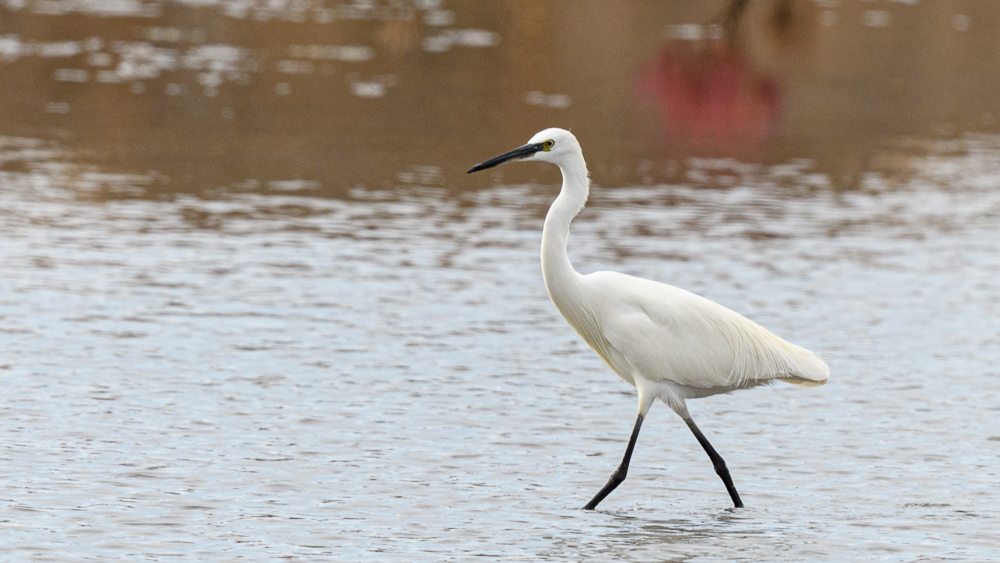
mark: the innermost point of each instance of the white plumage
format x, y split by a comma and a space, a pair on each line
664, 333
669, 343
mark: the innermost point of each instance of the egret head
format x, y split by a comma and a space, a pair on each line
551, 145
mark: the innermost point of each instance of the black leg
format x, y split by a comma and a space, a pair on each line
717, 461
619, 475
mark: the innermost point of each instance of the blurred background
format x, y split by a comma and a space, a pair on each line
199, 95
252, 308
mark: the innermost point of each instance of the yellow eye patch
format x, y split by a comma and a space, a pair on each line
548, 144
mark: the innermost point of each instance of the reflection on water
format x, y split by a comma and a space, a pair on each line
713, 99
252, 308
218, 92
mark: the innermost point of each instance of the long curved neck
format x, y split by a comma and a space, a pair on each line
559, 275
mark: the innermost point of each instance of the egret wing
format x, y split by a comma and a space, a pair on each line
667, 333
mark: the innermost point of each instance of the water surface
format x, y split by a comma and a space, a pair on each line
383, 377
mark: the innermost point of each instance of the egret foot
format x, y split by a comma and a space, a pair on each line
717, 461
619, 475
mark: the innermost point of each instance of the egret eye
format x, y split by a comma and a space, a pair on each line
548, 144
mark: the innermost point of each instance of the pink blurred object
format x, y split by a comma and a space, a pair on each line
709, 97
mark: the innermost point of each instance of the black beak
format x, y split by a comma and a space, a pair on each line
523, 151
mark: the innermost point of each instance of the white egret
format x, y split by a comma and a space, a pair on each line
668, 343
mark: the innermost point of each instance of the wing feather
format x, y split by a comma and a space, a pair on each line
667, 333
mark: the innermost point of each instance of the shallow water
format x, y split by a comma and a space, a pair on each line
383, 377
